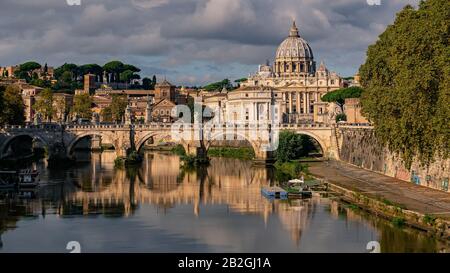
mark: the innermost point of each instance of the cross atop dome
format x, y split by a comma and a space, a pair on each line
293, 32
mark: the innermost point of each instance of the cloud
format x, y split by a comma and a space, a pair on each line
196, 41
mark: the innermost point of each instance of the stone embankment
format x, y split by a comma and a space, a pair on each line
401, 202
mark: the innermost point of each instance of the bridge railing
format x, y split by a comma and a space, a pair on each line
355, 125
44, 126
167, 126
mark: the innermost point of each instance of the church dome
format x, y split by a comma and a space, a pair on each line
294, 56
294, 47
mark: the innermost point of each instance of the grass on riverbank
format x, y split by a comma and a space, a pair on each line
285, 171
239, 153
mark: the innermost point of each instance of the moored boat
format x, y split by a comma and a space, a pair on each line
23, 179
28, 179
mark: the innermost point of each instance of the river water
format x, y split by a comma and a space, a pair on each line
162, 207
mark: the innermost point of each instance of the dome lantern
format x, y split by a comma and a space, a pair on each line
294, 30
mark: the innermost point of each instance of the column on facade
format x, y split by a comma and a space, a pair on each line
290, 102
242, 114
305, 111
298, 102
307, 103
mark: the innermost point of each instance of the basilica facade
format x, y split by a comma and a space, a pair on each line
288, 91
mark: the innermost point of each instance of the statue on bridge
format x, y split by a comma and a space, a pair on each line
37, 118
95, 118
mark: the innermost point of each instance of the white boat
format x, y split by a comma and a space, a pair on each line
303, 189
28, 178
296, 181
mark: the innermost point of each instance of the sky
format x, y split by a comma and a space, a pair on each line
190, 42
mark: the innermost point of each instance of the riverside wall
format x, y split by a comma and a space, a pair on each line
360, 147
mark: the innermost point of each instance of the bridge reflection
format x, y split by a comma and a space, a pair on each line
98, 188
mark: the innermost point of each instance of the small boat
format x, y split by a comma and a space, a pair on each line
274, 192
28, 179
24, 179
300, 185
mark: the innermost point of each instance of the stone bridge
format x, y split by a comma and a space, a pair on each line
60, 140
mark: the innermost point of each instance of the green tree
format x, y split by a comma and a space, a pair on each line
154, 82
44, 104
147, 83
94, 69
132, 68
26, 70
118, 105
218, 86
406, 79
339, 96
114, 68
82, 104
293, 146
12, 106
127, 76
106, 114
67, 67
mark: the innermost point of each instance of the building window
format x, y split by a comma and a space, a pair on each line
332, 81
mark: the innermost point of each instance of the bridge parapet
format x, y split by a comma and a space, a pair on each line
355, 126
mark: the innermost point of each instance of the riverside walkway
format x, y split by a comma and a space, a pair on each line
374, 185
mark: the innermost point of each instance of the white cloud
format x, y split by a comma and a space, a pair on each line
172, 35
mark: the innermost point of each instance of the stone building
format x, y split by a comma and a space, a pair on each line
62, 103
352, 109
164, 102
165, 90
29, 93
293, 86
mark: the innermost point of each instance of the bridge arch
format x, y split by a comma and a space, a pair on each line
141, 140
317, 138
216, 137
77, 138
32, 136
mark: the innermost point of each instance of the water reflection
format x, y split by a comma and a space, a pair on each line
218, 208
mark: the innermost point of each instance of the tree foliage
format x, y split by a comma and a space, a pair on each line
118, 105
339, 96
82, 104
26, 70
44, 104
218, 86
293, 146
106, 114
406, 79
12, 106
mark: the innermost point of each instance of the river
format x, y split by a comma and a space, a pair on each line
161, 207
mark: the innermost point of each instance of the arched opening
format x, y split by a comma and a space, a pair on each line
299, 146
24, 146
84, 147
234, 146
313, 146
155, 142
